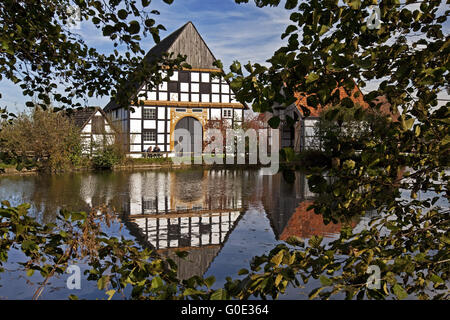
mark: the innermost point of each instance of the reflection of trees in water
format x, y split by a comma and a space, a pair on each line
76, 192
53, 192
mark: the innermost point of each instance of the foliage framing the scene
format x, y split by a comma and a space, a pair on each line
329, 45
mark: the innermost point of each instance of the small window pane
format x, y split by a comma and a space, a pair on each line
149, 135
149, 114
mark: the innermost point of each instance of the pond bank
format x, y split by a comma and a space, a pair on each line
13, 171
132, 166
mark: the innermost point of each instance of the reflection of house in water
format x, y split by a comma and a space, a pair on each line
287, 208
193, 211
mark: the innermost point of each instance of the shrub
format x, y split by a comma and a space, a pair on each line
314, 158
106, 157
44, 137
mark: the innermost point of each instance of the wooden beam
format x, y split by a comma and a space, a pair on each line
194, 69
187, 104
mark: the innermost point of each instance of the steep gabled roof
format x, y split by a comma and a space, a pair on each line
184, 41
82, 116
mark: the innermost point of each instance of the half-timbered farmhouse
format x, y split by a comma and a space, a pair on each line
96, 130
188, 100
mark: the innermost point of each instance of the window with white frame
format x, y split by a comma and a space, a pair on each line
227, 113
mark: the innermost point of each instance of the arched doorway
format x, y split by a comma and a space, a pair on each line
195, 129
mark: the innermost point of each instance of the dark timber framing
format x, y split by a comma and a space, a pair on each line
202, 87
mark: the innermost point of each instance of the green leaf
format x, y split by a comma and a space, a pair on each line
210, 281
315, 241
76, 216
315, 292
399, 291
409, 123
277, 258
274, 122
110, 293
108, 30
192, 292
220, 294
354, 4
325, 281
134, 27
157, 283
295, 241
242, 272
6, 203
436, 279
123, 14
182, 254
312, 77
290, 4
102, 282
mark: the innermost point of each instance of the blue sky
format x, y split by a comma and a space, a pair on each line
232, 31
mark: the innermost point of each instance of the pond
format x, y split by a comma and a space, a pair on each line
221, 217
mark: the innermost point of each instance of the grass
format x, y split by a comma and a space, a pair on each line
149, 160
5, 165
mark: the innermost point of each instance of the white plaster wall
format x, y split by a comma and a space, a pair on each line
135, 126
161, 113
215, 114
137, 112
87, 128
135, 148
160, 138
149, 124
135, 138
161, 125
238, 114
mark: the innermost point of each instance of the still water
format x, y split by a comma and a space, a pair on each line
221, 217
